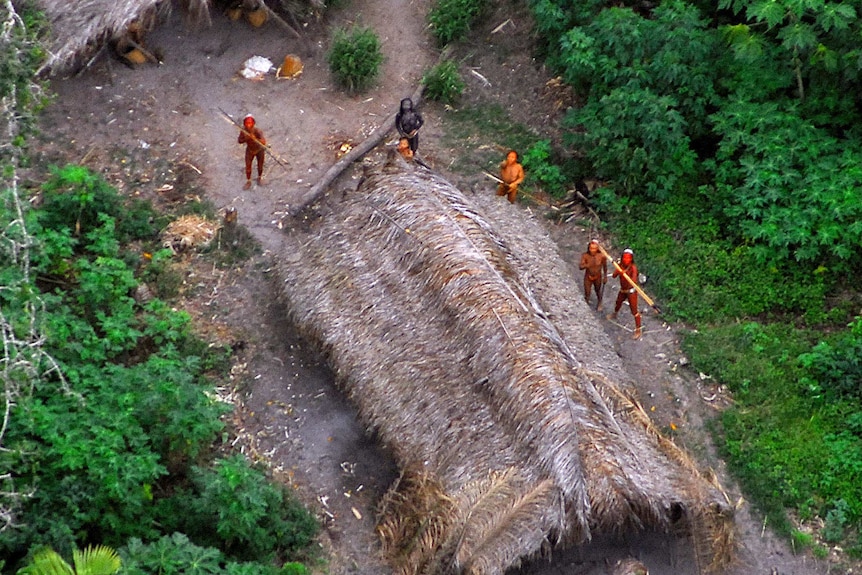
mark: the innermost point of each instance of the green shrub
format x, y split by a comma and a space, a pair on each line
177, 555
234, 507
790, 187
637, 139
294, 569
355, 58
540, 167
74, 198
451, 19
443, 83
834, 367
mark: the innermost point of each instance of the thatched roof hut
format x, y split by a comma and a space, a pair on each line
453, 325
79, 29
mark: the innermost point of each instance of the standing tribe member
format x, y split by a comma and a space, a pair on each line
595, 266
255, 147
627, 271
408, 121
512, 174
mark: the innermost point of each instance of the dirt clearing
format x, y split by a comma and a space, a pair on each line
157, 132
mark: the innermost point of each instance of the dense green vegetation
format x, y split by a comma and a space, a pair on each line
111, 430
117, 436
451, 20
727, 135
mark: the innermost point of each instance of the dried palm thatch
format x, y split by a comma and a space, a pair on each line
473, 356
81, 28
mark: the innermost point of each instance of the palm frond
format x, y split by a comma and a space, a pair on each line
96, 560
47, 562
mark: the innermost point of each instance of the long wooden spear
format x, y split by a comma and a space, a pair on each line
634, 284
521, 191
266, 147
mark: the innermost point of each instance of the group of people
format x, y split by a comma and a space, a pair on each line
594, 262
408, 121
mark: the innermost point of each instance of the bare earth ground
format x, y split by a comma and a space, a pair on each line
155, 127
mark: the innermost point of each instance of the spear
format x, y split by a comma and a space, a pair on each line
521, 191
638, 288
266, 147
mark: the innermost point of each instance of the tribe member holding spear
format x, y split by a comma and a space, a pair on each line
627, 271
511, 176
255, 147
595, 266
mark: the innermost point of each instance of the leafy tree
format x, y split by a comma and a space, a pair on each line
637, 139
21, 308
813, 36
649, 84
792, 188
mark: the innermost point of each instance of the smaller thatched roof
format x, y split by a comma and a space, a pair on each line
80, 28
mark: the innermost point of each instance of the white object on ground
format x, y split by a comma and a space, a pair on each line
256, 67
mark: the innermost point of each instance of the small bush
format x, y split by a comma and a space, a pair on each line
443, 83
451, 19
355, 58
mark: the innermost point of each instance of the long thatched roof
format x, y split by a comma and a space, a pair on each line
80, 28
454, 327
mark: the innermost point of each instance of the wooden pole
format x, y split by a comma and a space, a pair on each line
521, 191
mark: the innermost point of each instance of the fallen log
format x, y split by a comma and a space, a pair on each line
354, 154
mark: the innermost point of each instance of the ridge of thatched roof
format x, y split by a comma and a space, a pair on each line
79, 28
453, 325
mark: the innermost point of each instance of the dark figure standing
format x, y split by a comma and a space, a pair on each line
627, 290
595, 266
255, 147
408, 121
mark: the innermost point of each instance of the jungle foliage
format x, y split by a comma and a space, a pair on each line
111, 434
727, 137
118, 442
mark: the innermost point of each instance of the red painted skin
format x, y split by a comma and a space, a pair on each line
627, 290
255, 144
